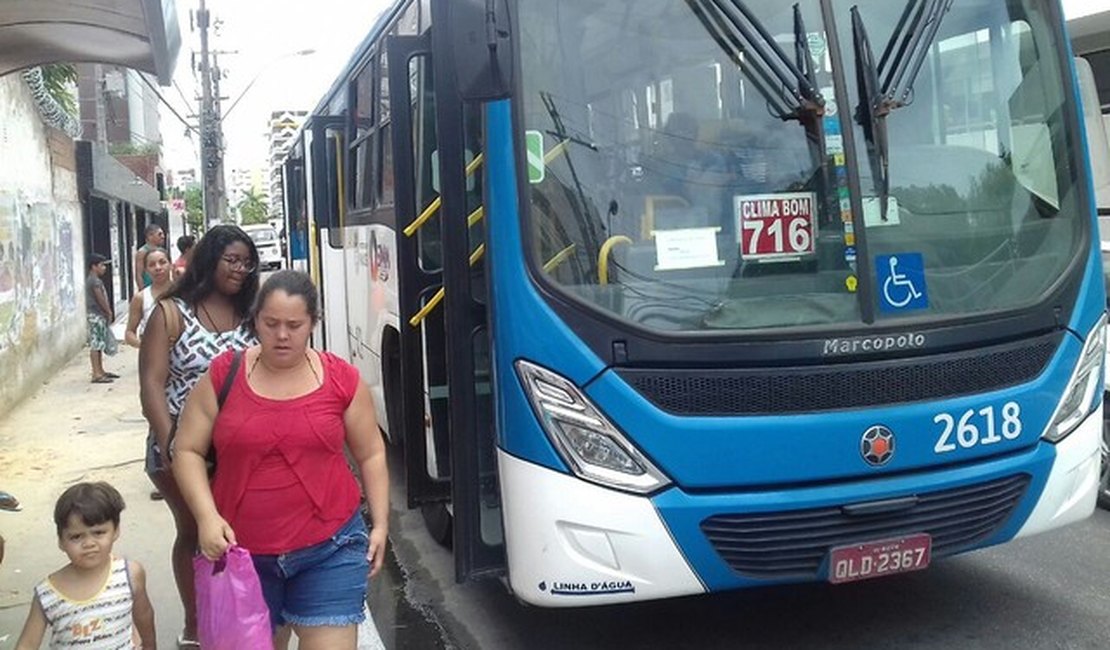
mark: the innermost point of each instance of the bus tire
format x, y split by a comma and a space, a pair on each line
437, 519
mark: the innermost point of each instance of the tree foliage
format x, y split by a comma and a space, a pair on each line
254, 207
194, 209
59, 79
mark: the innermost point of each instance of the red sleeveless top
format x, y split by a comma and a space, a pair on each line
282, 481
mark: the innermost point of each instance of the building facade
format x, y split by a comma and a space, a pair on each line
245, 182
283, 127
121, 181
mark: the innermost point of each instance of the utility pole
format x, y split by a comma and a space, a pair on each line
101, 109
211, 140
218, 131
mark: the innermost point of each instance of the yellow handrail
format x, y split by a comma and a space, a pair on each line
603, 257
438, 297
477, 254
434, 206
555, 152
411, 229
340, 188
419, 316
473, 165
472, 219
427, 309
559, 258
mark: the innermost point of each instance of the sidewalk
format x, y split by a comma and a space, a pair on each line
72, 430
69, 431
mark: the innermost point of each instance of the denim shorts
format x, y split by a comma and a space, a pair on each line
322, 585
153, 464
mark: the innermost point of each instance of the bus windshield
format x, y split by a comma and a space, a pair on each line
688, 168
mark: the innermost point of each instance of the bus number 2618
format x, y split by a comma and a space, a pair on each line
985, 426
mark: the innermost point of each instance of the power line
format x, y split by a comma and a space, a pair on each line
182, 93
168, 105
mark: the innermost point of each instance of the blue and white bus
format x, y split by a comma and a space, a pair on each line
671, 297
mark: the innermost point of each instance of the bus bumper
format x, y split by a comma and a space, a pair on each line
1071, 492
571, 543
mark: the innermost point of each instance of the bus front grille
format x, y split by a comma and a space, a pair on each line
794, 544
829, 387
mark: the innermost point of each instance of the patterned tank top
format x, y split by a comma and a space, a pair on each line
102, 622
193, 352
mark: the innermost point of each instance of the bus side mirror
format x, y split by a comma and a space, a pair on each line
482, 48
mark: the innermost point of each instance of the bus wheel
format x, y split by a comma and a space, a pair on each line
437, 519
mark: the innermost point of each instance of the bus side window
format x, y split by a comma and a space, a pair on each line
425, 145
364, 136
385, 141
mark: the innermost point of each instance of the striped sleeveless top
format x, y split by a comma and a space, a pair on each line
193, 352
102, 622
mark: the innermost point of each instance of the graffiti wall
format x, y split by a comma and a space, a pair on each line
42, 307
37, 265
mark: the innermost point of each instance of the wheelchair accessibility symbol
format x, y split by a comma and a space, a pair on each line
901, 282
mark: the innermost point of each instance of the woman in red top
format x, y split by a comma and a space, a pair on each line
282, 487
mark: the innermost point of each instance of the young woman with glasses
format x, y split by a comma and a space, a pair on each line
210, 304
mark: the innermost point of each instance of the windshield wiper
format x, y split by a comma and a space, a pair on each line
752, 48
790, 87
888, 86
815, 125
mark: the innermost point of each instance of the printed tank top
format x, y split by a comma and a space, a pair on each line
103, 621
194, 351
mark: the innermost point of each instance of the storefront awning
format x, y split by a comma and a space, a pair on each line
139, 34
100, 174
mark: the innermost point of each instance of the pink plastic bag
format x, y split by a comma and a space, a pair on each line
231, 613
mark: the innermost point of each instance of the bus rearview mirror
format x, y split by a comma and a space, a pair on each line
482, 48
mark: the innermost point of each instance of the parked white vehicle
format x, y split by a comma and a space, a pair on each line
268, 243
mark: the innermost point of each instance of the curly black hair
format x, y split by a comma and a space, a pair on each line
199, 280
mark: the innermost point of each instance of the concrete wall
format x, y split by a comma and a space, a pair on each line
42, 303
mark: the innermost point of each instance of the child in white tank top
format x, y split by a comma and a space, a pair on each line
97, 600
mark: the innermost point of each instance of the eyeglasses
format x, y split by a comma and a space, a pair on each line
239, 264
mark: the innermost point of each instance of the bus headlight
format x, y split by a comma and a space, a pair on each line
591, 446
1083, 392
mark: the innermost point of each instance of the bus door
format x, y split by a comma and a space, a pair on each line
295, 226
423, 392
442, 301
326, 264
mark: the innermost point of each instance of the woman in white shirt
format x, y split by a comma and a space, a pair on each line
158, 267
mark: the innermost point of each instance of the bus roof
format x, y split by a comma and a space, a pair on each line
358, 58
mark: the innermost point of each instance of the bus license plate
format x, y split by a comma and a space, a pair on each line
882, 558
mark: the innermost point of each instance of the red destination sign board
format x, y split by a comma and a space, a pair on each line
774, 226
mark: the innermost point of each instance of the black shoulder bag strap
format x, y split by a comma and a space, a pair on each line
236, 359
221, 397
